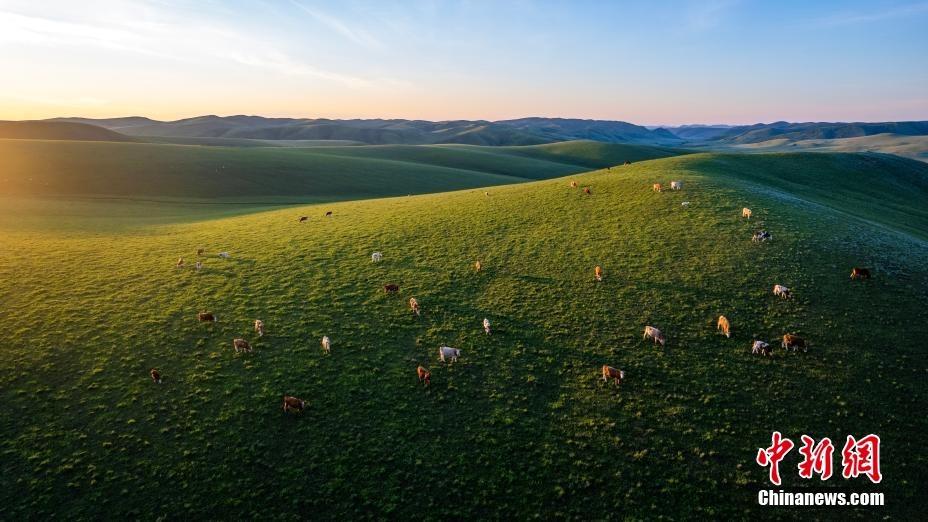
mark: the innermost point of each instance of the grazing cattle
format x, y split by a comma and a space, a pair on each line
762, 235
180, 263
795, 342
414, 305
573, 184
746, 212
206, 317
326, 344
586, 190
653, 333
657, 187
487, 194
224, 255
860, 273
292, 403
486, 326
782, 291
724, 326
598, 273
424, 375
447, 351
155, 376
328, 214
376, 257
478, 266
391, 288
259, 327
611, 373
241, 345
627, 162
762, 348
304, 219
200, 252
676, 185
685, 204
199, 265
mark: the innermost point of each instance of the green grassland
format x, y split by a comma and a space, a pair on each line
914, 147
281, 174
521, 426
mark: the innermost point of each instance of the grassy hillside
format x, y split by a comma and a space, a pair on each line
41, 168
54, 130
522, 426
914, 147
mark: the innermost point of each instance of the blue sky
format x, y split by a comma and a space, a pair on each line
674, 62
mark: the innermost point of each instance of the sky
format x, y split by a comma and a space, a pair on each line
653, 63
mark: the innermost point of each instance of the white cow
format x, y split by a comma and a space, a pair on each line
199, 265
760, 347
653, 333
447, 351
685, 204
676, 185
326, 344
224, 255
486, 325
782, 291
376, 257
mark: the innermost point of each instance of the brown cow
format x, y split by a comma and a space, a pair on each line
303, 219
206, 317
611, 373
586, 190
292, 403
241, 345
414, 305
329, 213
425, 376
795, 342
598, 273
180, 262
200, 252
724, 326
573, 184
860, 273
657, 187
155, 376
391, 288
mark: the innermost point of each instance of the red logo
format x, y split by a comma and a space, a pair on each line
859, 457
862, 457
816, 459
772, 456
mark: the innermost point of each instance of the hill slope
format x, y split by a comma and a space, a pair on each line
52, 130
47, 168
522, 425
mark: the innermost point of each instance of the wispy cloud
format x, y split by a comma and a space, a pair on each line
356, 35
147, 28
851, 18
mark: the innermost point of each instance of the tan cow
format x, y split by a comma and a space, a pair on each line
782, 291
656, 335
860, 273
180, 262
795, 342
573, 184
598, 273
611, 373
326, 344
657, 187
259, 327
478, 266
746, 213
241, 345
724, 326
292, 403
414, 305
424, 375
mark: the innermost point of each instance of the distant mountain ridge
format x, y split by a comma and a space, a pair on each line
522, 131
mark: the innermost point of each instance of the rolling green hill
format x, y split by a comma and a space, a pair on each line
914, 147
521, 426
146, 171
55, 130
